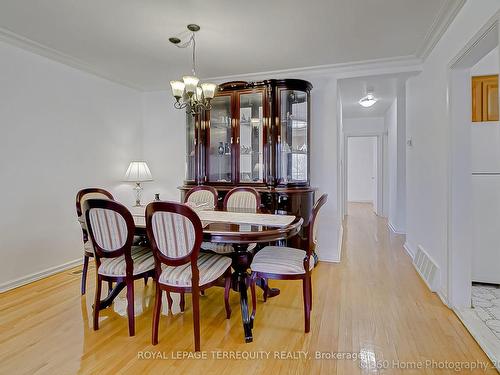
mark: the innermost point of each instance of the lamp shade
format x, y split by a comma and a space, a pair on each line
138, 171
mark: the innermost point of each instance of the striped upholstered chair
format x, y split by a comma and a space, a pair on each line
202, 197
111, 229
286, 263
239, 199
88, 251
175, 233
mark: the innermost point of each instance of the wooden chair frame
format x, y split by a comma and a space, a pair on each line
125, 250
191, 257
305, 277
87, 254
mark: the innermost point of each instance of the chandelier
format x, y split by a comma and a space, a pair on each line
190, 93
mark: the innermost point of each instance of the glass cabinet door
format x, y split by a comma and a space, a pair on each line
190, 147
250, 140
220, 141
292, 141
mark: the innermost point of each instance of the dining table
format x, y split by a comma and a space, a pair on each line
240, 229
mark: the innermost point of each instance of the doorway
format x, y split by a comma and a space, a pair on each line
363, 182
362, 171
471, 190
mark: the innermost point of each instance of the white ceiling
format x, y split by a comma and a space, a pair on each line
127, 40
384, 89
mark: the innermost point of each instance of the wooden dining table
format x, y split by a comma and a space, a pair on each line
239, 229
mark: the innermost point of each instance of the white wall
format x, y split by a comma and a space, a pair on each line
361, 169
364, 125
62, 130
427, 125
164, 144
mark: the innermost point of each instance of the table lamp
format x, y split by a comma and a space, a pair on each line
138, 171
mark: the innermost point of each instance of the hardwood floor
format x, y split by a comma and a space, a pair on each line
373, 303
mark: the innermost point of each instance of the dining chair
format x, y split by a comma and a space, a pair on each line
175, 233
88, 251
242, 199
202, 196
287, 263
111, 229
239, 199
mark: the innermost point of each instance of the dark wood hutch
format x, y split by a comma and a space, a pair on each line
256, 134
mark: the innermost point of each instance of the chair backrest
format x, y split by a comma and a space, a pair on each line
313, 223
175, 233
111, 229
82, 196
90, 193
243, 199
202, 194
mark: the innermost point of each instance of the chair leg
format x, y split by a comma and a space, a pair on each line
266, 288
130, 306
169, 301
254, 297
227, 288
310, 294
195, 296
97, 301
307, 308
84, 273
156, 314
182, 303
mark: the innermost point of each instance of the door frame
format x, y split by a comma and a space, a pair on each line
381, 168
459, 242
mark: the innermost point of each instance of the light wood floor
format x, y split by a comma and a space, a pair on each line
372, 303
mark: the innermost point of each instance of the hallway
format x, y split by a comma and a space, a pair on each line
375, 307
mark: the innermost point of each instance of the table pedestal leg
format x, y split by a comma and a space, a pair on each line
112, 295
241, 262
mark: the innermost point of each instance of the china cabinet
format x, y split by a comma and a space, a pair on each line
255, 134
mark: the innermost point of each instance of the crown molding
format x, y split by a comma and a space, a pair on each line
341, 70
53, 54
443, 19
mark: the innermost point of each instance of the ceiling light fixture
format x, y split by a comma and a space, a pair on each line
190, 93
368, 100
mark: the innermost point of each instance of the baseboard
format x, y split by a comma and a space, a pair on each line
442, 297
408, 249
38, 275
340, 242
393, 228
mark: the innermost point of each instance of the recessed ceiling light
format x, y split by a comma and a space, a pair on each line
368, 100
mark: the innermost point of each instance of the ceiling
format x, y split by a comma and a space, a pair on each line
384, 89
127, 40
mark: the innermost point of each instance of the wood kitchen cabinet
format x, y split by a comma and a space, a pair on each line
485, 98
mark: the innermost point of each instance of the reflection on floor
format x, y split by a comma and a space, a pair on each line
486, 304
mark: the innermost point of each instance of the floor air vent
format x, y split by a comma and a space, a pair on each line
425, 267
